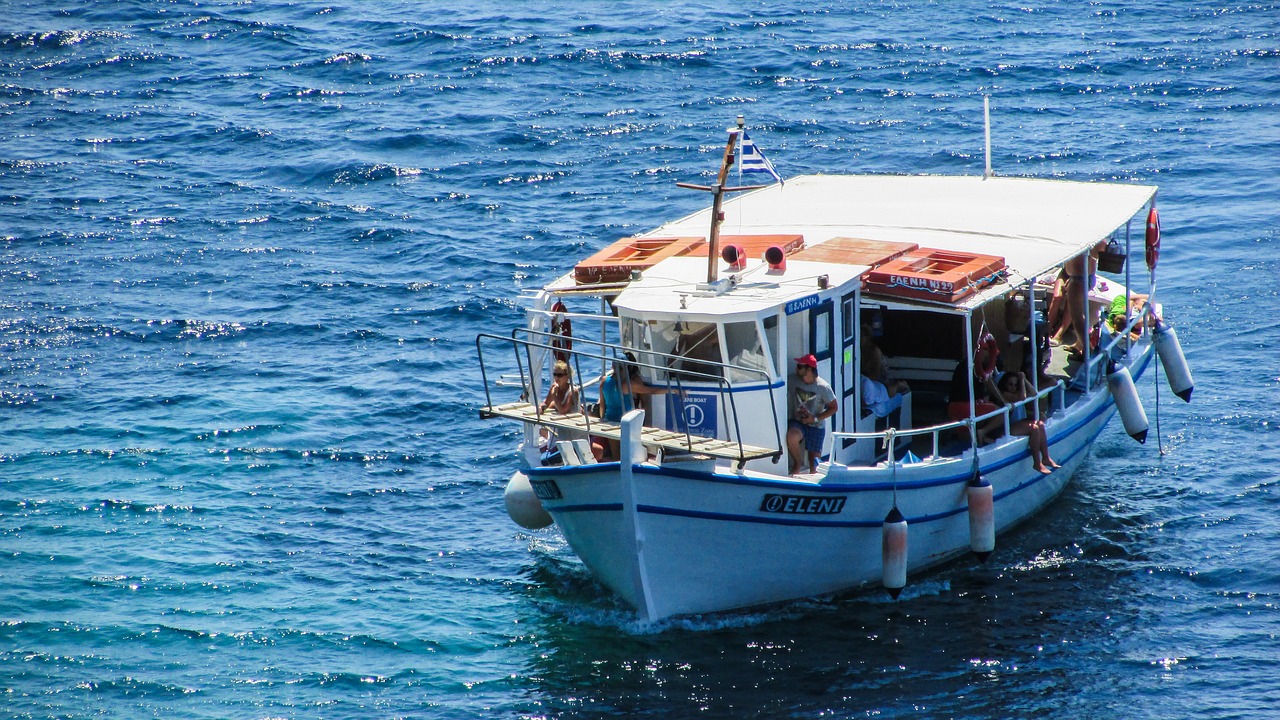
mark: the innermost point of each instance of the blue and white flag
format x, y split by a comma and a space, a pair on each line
754, 161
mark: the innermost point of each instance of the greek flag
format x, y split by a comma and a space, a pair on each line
754, 161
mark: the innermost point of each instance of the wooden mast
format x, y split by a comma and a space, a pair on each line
718, 190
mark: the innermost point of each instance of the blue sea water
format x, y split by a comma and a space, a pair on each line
247, 247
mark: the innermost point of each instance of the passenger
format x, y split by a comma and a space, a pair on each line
1057, 301
1081, 275
984, 390
617, 398
872, 359
1118, 316
814, 402
880, 396
1015, 388
562, 397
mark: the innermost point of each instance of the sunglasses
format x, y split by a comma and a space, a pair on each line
559, 374
802, 368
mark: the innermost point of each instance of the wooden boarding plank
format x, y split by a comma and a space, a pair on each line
855, 251
525, 412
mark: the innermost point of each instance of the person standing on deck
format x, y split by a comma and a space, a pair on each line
813, 401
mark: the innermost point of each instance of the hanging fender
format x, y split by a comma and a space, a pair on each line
893, 552
982, 516
563, 330
1125, 394
523, 505
1153, 238
1174, 362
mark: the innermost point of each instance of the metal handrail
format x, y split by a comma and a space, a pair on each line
721, 380
538, 342
936, 430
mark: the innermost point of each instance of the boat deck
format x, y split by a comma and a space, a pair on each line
666, 439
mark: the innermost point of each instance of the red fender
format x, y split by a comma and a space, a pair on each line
1153, 239
563, 330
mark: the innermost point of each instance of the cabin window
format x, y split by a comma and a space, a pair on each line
745, 351
820, 324
645, 337
698, 345
771, 344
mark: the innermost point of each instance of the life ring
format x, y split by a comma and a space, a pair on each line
562, 330
1153, 238
986, 342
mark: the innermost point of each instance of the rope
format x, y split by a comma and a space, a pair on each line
893, 463
973, 438
1147, 312
1156, 377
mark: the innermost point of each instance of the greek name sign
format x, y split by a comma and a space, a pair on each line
802, 304
913, 281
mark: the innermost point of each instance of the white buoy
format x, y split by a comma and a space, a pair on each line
982, 517
1125, 394
523, 506
1173, 361
894, 552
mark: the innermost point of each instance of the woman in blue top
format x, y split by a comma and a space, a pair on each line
618, 395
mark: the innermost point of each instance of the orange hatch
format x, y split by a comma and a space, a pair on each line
930, 274
615, 263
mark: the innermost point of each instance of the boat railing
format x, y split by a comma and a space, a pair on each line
529, 354
1056, 393
1104, 352
614, 352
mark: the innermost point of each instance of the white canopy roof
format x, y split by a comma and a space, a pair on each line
1034, 224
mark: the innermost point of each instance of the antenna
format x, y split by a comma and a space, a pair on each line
986, 129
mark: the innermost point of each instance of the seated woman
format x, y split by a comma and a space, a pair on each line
984, 393
562, 399
562, 396
1014, 388
621, 390
879, 395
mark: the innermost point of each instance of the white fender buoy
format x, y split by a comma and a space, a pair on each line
1173, 361
523, 506
894, 552
1120, 382
982, 517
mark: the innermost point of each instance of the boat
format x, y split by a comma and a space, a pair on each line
684, 500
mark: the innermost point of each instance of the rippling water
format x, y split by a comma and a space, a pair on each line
247, 247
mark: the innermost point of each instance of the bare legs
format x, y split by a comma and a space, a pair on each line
801, 459
1037, 443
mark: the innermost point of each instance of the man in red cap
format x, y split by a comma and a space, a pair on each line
812, 402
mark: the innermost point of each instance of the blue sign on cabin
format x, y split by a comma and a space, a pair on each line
694, 412
802, 304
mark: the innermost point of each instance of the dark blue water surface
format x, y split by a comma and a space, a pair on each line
246, 248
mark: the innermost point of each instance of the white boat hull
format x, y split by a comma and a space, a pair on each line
693, 539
